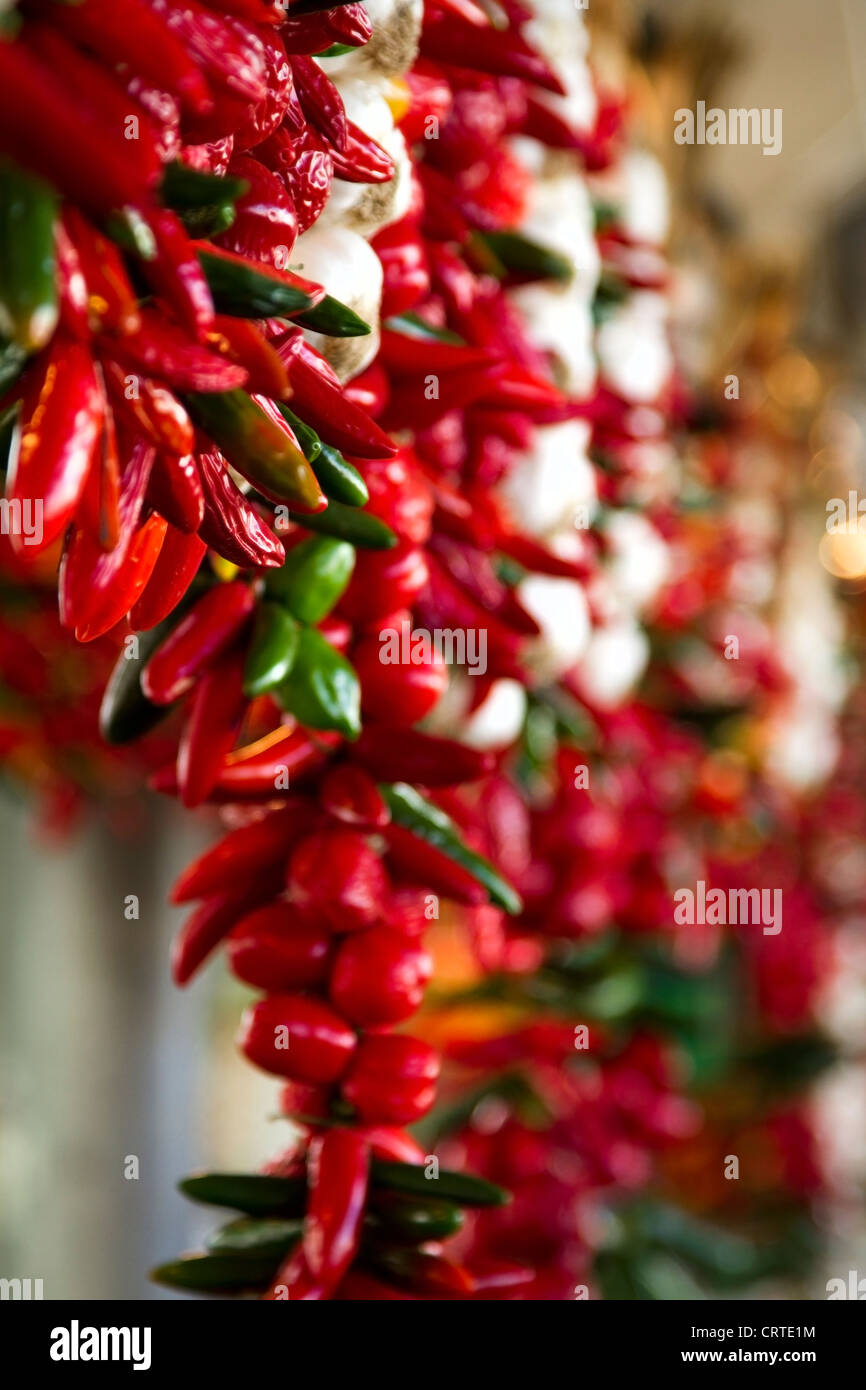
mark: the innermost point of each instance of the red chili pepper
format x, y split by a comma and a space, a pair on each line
205, 928
442, 219
313, 33
176, 567
71, 288
350, 795
231, 526
241, 342
336, 874
379, 977
111, 300
102, 99
262, 770
431, 97
391, 1079
203, 635
319, 401
337, 1173
60, 140
257, 11
175, 491
546, 125
536, 557
393, 691
96, 589
392, 1144
248, 849
361, 159
370, 389
134, 36
407, 755
406, 355
224, 49
61, 420
176, 273
299, 1038
276, 948
265, 227
159, 349
448, 39
217, 706
321, 102
305, 168
404, 266
384, 582
152, 409
98, 513
416, 861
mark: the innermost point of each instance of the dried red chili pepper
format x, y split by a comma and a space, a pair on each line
321, 102
231, 526
175, 491
361, 159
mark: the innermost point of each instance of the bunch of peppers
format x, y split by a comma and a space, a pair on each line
246, 527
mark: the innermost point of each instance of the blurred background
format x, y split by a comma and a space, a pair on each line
112, 1083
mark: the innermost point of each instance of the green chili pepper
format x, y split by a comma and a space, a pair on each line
28, 292
412, 1220
272, 650
126, 713
256, 1194
361, 529
413, 326
322, 690
309, 441
333, 319
183, 188
218, 1273
519, 253
425, 820
270, 1238
337, 478
244, 292
464, 1188
313, 577
255, 445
